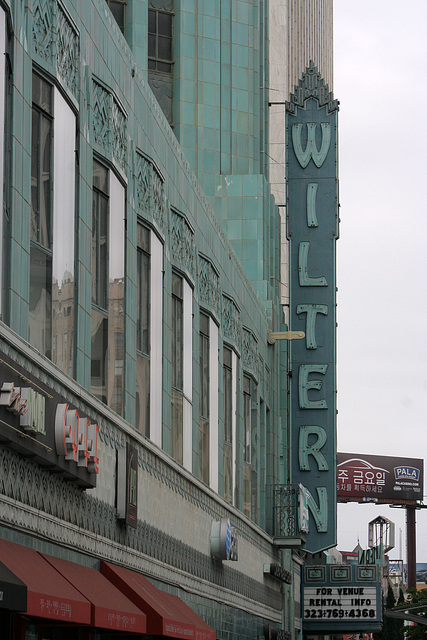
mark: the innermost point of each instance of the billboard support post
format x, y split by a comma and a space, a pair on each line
411, 546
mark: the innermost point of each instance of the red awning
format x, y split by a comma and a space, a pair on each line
49, 595
110, 609
163, 617
203, 630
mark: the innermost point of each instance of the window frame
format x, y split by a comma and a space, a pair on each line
143, 343
99, 195
229, 423
48, 116
119, 3
155, 59
204, 396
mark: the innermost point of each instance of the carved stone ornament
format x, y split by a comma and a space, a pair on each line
109, 124
67, 51
158, 201
209, 291
143, 172
231, 321
249, 351
311, 85
182, 246
43, 17
100, 106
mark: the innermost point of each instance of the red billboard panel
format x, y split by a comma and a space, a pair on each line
369, 478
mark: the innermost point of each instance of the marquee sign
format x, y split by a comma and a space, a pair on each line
384, 479
312, 227
38, 422
341, 598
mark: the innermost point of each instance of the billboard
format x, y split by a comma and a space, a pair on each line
312, 231
371, 478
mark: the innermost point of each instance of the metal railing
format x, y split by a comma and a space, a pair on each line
285, 511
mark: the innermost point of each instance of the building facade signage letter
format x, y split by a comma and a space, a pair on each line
312, 227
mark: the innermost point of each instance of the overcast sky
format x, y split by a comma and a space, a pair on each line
380, 53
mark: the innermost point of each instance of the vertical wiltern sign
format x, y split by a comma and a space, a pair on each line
312, 228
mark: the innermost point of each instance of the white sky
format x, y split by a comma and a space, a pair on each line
380, 54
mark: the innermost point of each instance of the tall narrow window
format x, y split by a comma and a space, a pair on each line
177, 367
99, 332
228, 424
160, 56
143, 331
204, 388
116, 294
40, 319
52, 290
156, 339
247, 453
160, 40
63, 280
118, 9
182, 372
108, 283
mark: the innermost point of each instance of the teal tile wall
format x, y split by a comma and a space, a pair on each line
239, 234
219, 63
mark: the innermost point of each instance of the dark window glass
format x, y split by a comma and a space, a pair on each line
177, 333
247, 476
99, 346
152, 48
164, 22
117, 8
151, 21
247, 417
177, 422
100, 236
228, 396
160, 40
41, 163
99, 342
204, 400
40, 320
143, 292
143, 394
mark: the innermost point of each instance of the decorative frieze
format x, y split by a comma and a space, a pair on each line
143, 174
43, 29
56, 42
118, 134
158, 201
150, 191
249, 351
67, 51
182, 244
209, 291
100, 110
109, 124
231, 324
